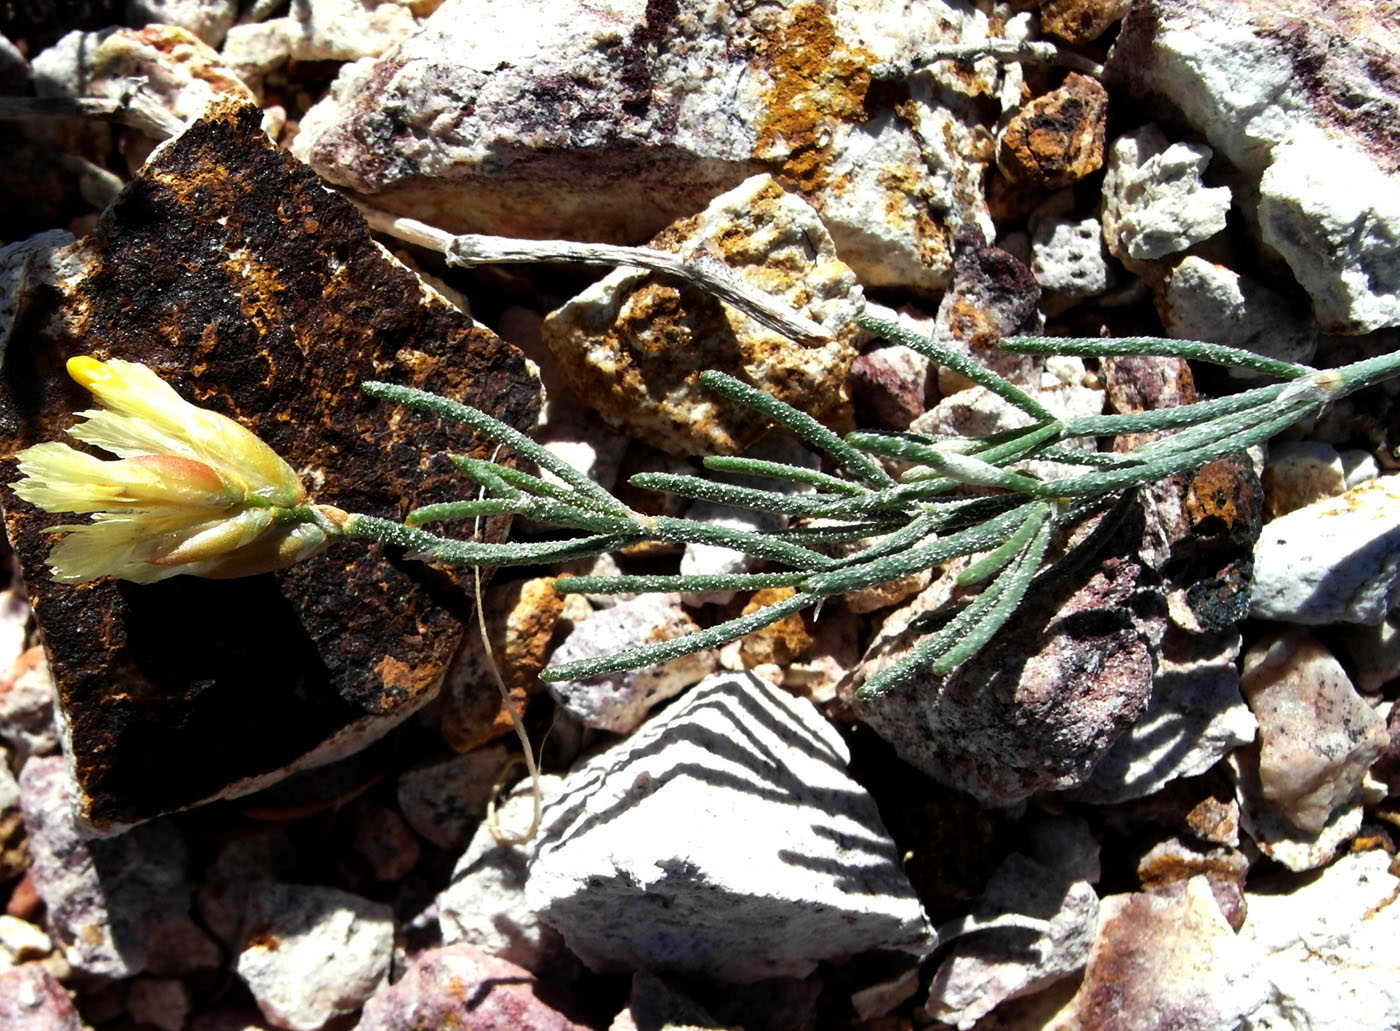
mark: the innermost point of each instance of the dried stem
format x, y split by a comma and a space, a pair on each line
708, 274
135, 108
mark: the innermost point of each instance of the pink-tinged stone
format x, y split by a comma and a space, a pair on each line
1318, 737
889, 386
461, 987
31, 999
1164, 959
1171, 861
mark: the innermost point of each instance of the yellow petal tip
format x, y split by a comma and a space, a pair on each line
86, 370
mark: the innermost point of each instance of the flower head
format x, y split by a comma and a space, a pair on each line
190, 491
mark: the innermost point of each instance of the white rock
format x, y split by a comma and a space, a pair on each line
620, 701
319, 30
1327, 949
1318, 737
1299, 472
21, 941
1200, 300
1154, 203
313, 953
1334, 215
209, 20
726, 840
1067, 251
1334, 561
609, 120
14, 625
1195, 717
484, 903
1374, 652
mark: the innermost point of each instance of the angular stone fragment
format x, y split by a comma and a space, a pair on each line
1080, 21
620, 701
1057, 139
26, 707
890, 386
1067, 250
1326, 947
607, 121
732, 814
313, 953
14, 852
1154, 203
31, 999
210, 20
1318, 737
1304, 97
445, 798
256, 292
1041, 705
1334, 561
460, 986
633, 344
107, 900
1194, 718
1200, 300
1299, 472
1164, 959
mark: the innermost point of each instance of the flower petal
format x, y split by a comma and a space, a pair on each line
58, 478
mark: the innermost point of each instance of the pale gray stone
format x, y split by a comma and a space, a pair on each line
609, 120
107, 899
1195, 717
313, 953
1334, 561
1299, 472
27, 695
443, 799
1067, 250
1326, 948
1200, 300
620, 701
726, 840
1154, 202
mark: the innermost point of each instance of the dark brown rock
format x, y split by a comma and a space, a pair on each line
1057, 139
234, 274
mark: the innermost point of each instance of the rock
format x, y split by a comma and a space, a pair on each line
1039, 709
986, 968
1154, 202
1318, 737
14, 852
382, 839
107, 900
608, 121
1067, 250
31, 999
1291, 94
1299, 472
162, 1002
1324, 947
1172, 861
313, 953
620, 701
318, 30
1374, 654
653, 1005
14, 624
209, 20
1080, 21
520, 622
155, 680
1194, 718
229, 878
1058, 138
779, 643
460, 986
778, 1004
1203, 301
732, 811
21, 942
634, 343
714, 560
444, 799
484, 903
1334, 561
890, 386
26, 707
14, 70
1165, 958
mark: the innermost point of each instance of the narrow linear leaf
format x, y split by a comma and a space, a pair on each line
1164, 347
760, 545
801, 423
782, 471
665, 651
1171, 418
675, 583
472, 553
998, 558
700, 489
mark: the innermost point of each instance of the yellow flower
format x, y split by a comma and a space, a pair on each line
190, 491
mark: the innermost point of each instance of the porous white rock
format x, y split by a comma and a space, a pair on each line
1289, 90
319, 30
724, 839
620, 701
1067, 249
1154, 202
1334, 561
1195, 717
608, 120
484, 902
313, 953
209, 20
1326, 948
1200, 300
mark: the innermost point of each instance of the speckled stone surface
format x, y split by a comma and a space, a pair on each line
234, 274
